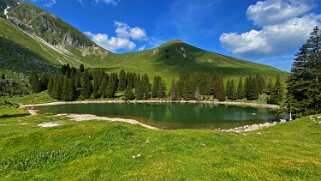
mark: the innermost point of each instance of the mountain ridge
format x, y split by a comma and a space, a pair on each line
48, 45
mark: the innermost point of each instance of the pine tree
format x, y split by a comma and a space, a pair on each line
277, 92
146, 87
161, 93
251, 88
304, 84
197, 94
57, 91
86, 86
103, 86
122, 81
139, 89
240, 90
70, 93
218, 88
3, 76
128, 94
156, 85
51, 86
269, 87
35, 82
64, 90
173, 93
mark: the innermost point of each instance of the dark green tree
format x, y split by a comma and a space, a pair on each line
218, 88
86, 86
35, 82
122, 81
251, 88
81, 68
240, 90
128, 94
304, 84
277, 92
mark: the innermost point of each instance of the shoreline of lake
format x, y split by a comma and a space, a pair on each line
270, 106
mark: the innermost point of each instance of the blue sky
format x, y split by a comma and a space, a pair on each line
266, 31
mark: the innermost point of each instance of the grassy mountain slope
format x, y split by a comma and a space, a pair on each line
33, 39
175, 57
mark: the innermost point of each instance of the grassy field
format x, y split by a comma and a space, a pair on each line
100, 150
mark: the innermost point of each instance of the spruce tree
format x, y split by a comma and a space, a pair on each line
173, 93
146, 87
35, 82
240, 90
304, 84
86, 86
51, 86
251, 88
218, 88
122, 81
277, 92
57, 91
139, 89
156, 85
128, 94
161, 93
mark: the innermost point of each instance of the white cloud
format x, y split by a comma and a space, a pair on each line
277, 37
138, 33
272, 39
112, 2
277, 11
47, 3
125, 31
112, 43
125, 35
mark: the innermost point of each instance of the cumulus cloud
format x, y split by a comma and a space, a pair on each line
111, 43
47, 3
112, 2
125, 31
276, 37
276, 11
125, 35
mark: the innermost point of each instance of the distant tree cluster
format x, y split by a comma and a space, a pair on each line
80, 83
304, 84
196, 86
10, 87
73, 84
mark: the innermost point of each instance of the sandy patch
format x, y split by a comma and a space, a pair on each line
88, 117
33, 112
48, 125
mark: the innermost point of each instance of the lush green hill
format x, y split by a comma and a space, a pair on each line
33, 39
175, 57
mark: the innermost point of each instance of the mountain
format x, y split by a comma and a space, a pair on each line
33, 39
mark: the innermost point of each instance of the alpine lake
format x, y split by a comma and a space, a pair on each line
172, 115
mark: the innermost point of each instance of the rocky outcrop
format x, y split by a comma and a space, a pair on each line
46, 26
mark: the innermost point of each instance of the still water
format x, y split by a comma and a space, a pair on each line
173, 115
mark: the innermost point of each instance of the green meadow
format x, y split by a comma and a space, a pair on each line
101, 150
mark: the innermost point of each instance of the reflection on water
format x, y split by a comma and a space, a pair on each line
173, 115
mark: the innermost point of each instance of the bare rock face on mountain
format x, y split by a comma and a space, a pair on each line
44, 25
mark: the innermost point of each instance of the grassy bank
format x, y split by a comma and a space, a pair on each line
102, 150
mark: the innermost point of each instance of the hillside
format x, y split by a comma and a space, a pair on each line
175, 57
33, 39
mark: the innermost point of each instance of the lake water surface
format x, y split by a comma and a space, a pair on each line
173, 115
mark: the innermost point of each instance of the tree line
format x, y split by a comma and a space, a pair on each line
72, 84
